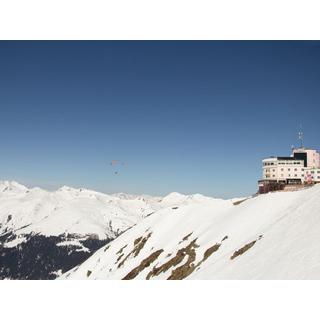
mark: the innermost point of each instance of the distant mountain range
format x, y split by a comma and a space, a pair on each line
43, 234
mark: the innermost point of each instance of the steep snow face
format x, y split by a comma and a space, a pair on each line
272, 236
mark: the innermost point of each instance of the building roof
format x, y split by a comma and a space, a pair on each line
286, 158
304, 149
281, 158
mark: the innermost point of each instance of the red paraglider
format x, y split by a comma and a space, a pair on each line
115, 164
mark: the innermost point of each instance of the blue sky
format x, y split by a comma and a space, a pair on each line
192, 117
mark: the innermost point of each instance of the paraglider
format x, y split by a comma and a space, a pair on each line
115, 165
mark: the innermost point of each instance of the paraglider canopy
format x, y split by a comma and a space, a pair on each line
115, 164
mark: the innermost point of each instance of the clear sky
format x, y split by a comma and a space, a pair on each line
192, 117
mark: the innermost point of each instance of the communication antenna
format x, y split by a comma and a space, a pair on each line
301, 135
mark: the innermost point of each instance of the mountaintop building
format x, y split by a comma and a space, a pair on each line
287, 173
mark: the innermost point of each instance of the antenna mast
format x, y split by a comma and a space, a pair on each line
300, 134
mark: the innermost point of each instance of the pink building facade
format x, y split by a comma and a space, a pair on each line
312, 156
302, 167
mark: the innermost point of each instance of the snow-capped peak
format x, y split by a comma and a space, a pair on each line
6, 185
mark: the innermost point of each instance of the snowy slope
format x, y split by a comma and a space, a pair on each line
272, 236
69, 223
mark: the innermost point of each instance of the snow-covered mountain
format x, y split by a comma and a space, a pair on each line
68, 210
45, 233
271, 236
